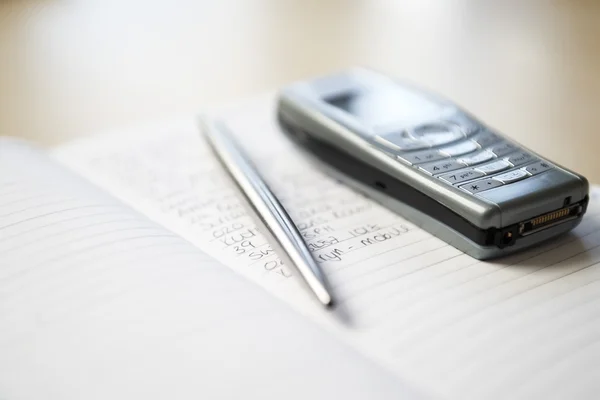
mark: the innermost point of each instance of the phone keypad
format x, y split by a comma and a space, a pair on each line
476, 162
502, 171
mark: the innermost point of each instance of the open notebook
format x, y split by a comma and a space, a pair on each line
121, 286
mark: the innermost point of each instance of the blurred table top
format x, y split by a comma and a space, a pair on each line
74, 67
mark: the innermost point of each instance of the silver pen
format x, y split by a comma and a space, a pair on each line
279, 227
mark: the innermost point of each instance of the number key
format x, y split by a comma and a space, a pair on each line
461, 176
520, 158
440, 167
421, 157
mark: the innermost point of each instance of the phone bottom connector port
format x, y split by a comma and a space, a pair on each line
550, 219
508, 236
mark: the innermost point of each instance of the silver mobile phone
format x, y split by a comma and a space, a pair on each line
433, 163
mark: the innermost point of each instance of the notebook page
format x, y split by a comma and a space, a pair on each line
405, 290
168, 173
98, 302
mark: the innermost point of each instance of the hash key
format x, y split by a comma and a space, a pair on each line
538, 167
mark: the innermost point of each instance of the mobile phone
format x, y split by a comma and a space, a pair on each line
433, 163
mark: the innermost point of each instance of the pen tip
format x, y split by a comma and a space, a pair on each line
322, 294
328, 302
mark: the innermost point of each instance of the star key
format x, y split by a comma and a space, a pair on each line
480, 185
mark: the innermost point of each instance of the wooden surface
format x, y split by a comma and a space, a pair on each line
75, 67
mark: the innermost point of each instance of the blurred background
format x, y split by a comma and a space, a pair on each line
75, 67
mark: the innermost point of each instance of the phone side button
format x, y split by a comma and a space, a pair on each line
481, 185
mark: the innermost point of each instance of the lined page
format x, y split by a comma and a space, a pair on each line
98, 302
450, 323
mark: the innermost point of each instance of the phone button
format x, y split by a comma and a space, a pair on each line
538, 167
494, 167
436, 134
461, 176
486, 138
399, 141
520, 158
441, 166
467, 125
512, 176
421, 157
503, 149
477, 158
481, 185
461, 148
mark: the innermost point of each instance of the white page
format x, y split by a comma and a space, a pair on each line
98, 302
429, 312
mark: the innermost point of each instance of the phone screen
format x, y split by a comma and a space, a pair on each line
385, 106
